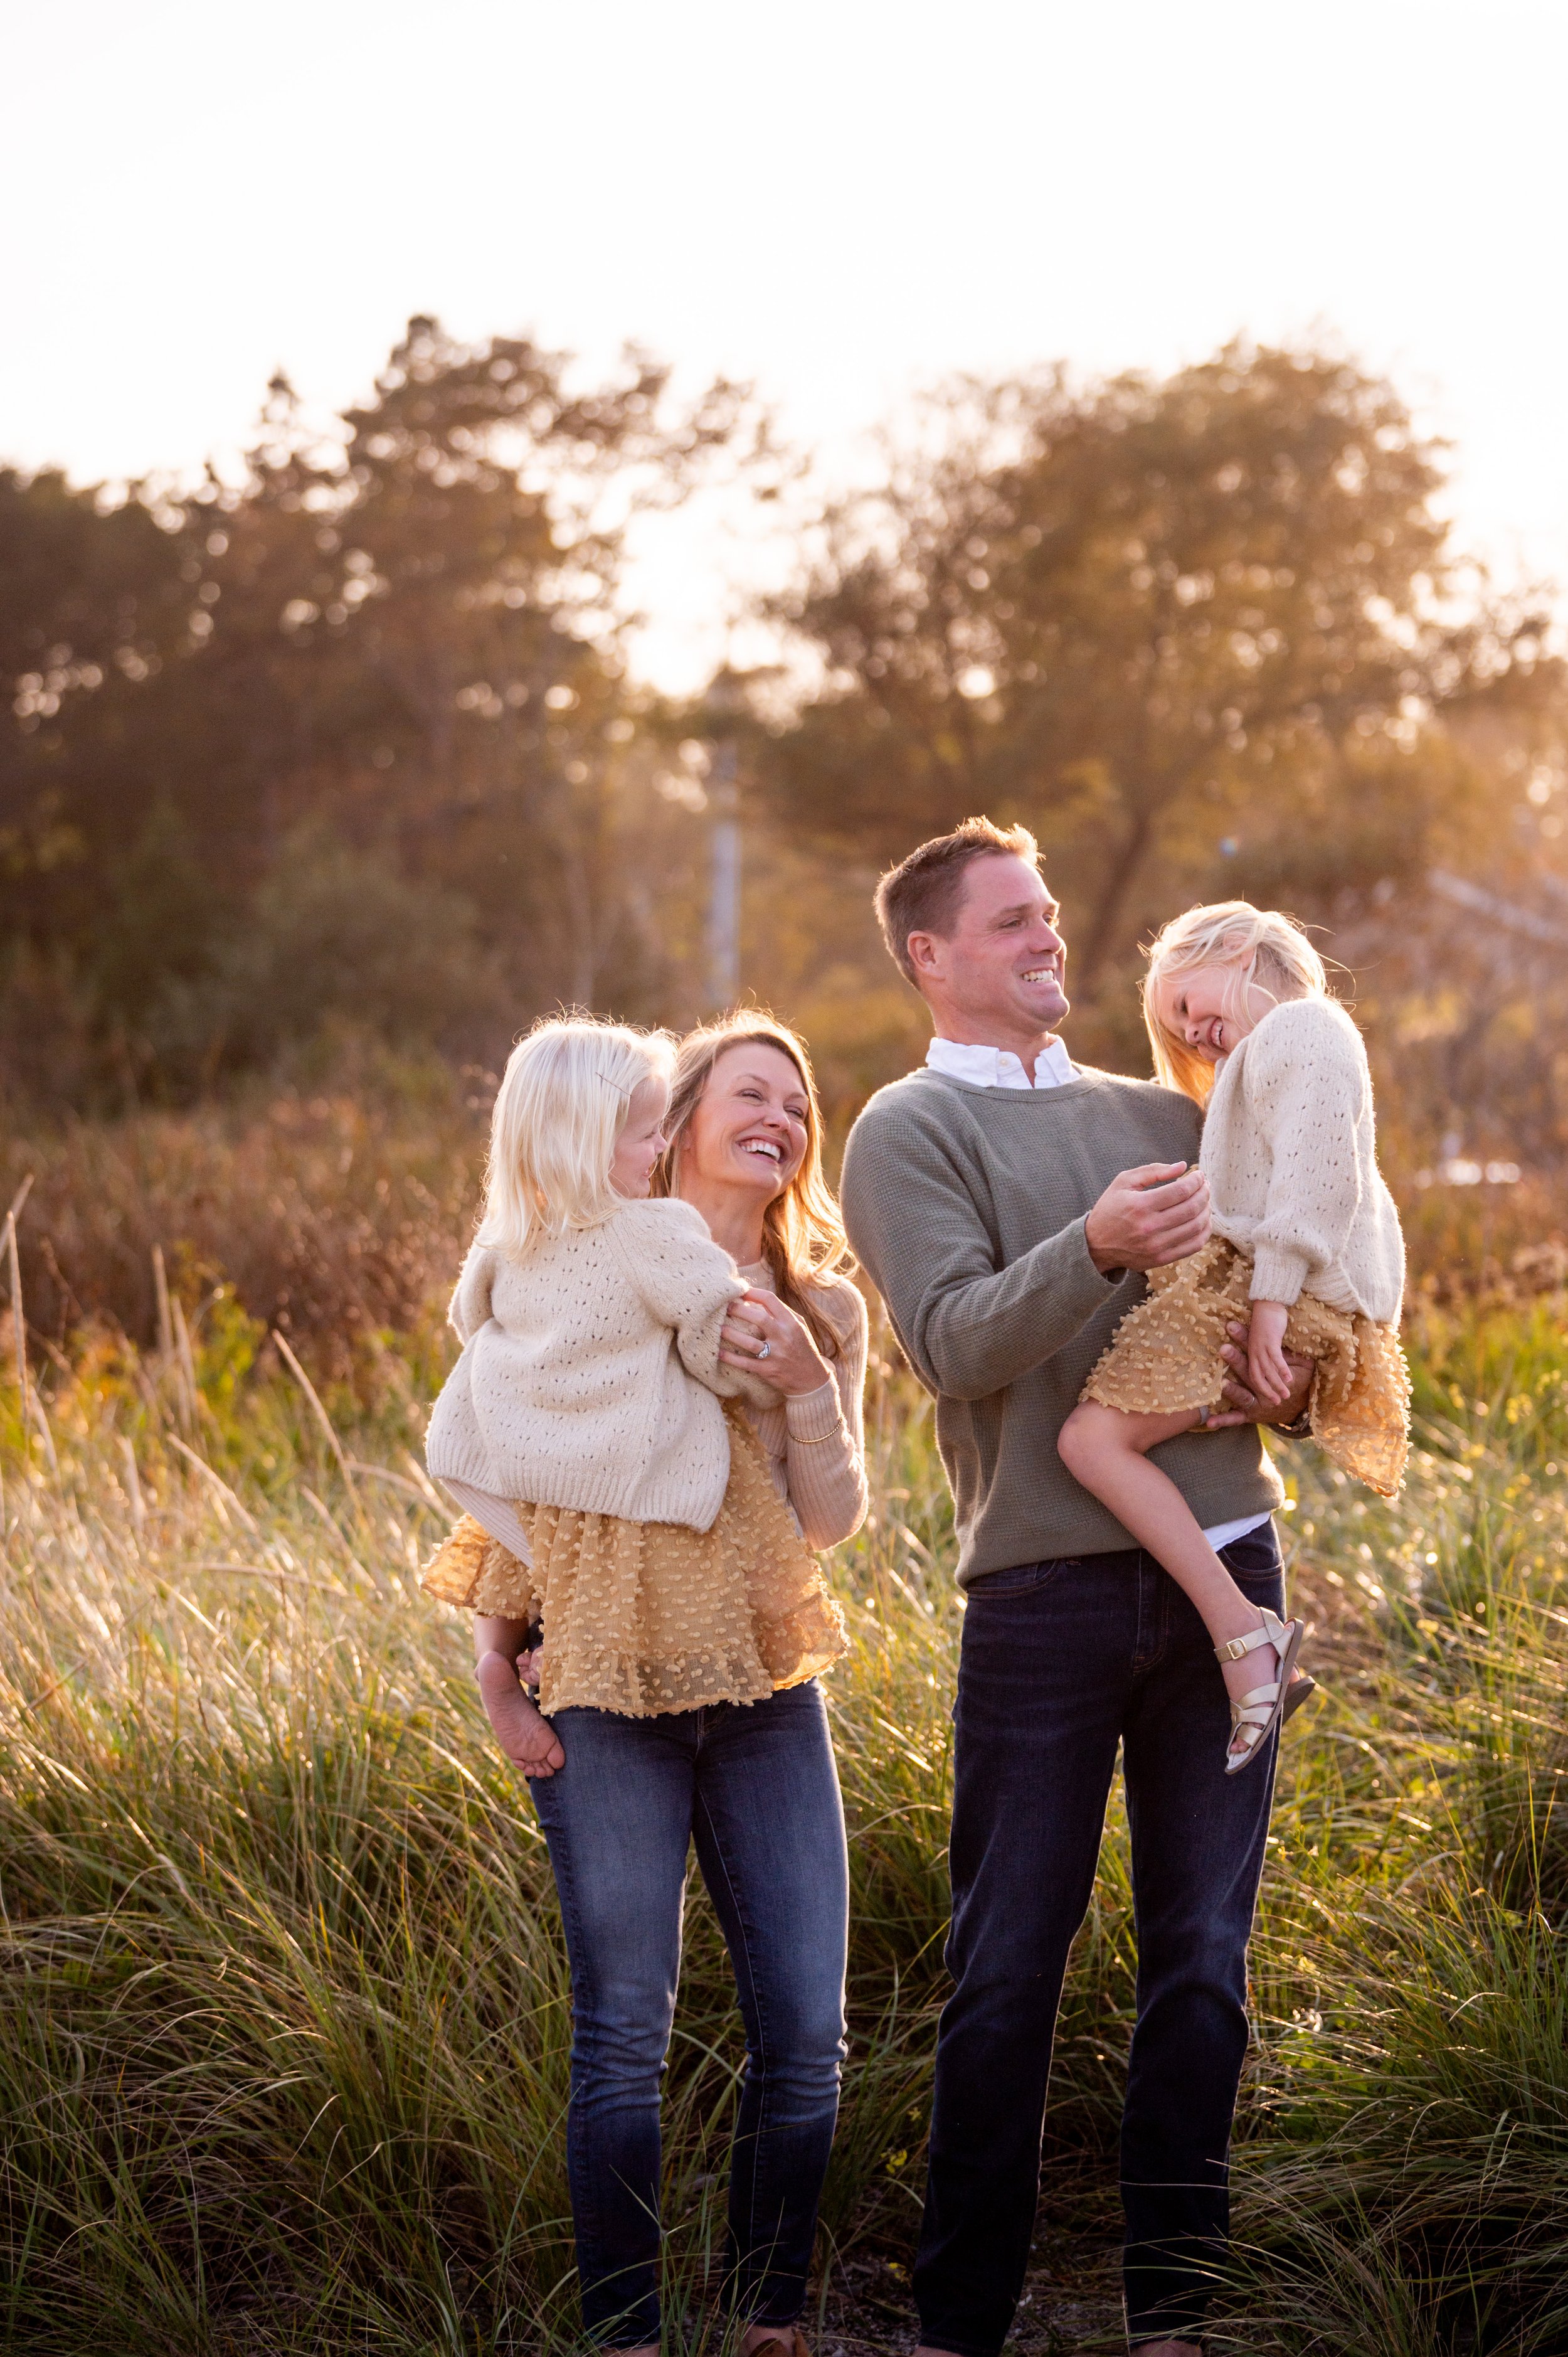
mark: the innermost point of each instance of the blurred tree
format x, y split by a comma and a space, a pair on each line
352, 738
404, 630
91, 607
343, 935
157, 929
1190, 629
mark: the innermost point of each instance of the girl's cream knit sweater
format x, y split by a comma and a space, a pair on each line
576, 1386
1290, 1153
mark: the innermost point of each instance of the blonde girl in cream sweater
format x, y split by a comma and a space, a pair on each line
1305, 1241
584, 1429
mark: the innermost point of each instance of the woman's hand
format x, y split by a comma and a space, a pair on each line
793, 1365
1268, 1369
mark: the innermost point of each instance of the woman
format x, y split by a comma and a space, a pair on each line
745, 1150
752, 1785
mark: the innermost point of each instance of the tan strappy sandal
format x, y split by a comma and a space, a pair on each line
1258, 1712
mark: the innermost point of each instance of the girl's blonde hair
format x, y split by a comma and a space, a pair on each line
1264, 947
802, 1232
559, 1113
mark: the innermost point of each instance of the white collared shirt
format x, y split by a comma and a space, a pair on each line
999, 1068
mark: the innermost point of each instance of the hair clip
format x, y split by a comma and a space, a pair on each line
612, 1084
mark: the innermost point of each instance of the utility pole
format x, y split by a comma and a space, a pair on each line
723, 894
725, 700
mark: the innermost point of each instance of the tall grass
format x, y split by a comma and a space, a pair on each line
283, 2017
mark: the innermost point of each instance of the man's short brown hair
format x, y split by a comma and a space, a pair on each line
922, 894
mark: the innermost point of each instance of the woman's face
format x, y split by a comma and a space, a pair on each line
642, 1140
748, 1129
1209, 1007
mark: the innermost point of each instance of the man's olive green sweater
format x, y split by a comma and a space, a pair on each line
967, 1207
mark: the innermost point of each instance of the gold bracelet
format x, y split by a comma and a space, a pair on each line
815, 1439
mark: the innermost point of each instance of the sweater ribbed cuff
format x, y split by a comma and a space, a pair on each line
1277, 1275
815, 1415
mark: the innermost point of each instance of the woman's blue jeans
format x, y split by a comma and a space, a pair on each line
754, 1787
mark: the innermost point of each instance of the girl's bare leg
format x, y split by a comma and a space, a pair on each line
1105, 1450
521, 1729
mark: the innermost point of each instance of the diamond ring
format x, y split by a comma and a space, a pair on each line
765, 1350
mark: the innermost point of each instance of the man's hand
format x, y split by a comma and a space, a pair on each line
1148, 1217
1243, 1404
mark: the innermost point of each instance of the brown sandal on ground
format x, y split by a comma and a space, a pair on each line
785, 2341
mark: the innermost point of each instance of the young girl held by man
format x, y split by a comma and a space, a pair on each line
1305, 1241
614, 1498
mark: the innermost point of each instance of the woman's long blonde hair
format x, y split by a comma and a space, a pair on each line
1263, 946
802, 1233
559, 1113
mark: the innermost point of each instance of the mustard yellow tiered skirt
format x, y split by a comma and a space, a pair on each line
1164, 1355
644, 1617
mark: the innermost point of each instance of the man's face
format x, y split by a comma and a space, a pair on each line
1001, 968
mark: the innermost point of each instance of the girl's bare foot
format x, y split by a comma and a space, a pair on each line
524, 1734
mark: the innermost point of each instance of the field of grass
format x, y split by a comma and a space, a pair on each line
285, 2022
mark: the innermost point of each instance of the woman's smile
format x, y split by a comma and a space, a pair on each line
763, 1149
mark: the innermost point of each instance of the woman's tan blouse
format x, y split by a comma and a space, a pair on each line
650, 1617
816, 1445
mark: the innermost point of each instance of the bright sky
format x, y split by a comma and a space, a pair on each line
840, 199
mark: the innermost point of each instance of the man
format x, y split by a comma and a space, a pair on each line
1005, 1203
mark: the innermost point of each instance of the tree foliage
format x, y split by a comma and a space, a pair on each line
1192, 629
403, 634
351, 741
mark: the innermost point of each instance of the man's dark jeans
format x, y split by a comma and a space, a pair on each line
754, 1787
1060, 1662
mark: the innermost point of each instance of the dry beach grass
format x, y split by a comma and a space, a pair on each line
282, 2015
